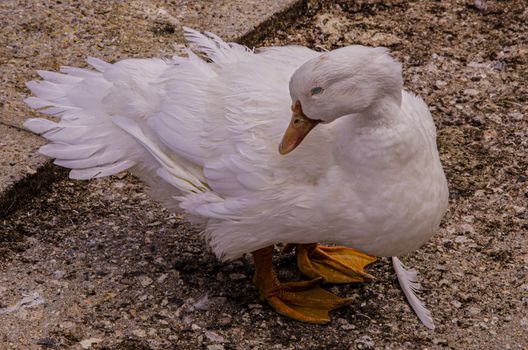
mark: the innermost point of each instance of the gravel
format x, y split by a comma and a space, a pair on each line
98, 265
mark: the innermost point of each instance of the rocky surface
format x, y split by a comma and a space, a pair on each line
98, 265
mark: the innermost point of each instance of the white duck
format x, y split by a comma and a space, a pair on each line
204, 136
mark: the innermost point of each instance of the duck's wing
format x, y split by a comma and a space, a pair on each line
232, 129
232, 125
220, 99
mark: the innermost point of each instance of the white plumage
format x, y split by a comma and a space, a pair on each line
204, 137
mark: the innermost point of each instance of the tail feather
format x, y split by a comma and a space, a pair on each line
58, 78
39, 125
104, 117
104, 155
72, 152
45, 89
214, 47
98, 64
79, 72
45, 106
85, 139
91, 173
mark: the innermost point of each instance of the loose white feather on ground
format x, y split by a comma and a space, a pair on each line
408, 279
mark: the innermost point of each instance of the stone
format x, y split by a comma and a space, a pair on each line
87, 343
215, 347
364, 342
140, 333
145, 281
214, 337
237, 276
440, 341
473, 310
471, 92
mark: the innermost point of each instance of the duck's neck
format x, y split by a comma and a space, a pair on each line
383, 112
373, 135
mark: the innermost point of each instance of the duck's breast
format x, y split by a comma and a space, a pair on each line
388, 192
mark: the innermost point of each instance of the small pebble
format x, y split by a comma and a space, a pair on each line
364, 342
471, 92
237, 276
140, 333
440, 341
214, 337
500, 65
215, 347
480, 5
87, 343
145, 281
224, 321
162, 278
473, 310
46, 342
519, 210
58, 274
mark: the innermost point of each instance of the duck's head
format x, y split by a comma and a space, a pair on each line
349, 80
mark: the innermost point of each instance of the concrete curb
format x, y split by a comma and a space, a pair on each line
25, 174
29, 186
283, 18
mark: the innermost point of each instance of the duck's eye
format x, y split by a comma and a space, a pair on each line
316, 90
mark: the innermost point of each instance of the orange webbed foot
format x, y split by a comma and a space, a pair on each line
303, 301
333, 264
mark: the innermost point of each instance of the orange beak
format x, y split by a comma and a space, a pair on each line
300, 126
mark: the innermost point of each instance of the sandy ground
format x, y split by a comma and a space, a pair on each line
97, 264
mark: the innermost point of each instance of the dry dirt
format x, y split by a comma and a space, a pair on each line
99, 263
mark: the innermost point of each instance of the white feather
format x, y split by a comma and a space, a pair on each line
214, 47
58, 78
184, 179
72, 152
408, 279
39, 125
95, 172
98, 64
79, 72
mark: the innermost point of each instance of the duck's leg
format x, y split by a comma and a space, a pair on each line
302, 301
333, 264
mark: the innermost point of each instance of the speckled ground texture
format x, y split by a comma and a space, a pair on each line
99, 265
